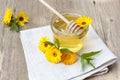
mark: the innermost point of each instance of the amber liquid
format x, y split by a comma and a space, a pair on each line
72, 42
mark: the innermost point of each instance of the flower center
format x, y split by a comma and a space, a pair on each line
68, 57
45, 45
54, 54
21, 18
83, 23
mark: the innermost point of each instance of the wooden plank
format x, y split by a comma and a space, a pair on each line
106, 21
12, 61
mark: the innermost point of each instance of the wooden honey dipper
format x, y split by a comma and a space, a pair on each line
72, 27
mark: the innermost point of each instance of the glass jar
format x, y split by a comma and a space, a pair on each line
72, 41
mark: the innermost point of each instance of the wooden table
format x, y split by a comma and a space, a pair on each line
106, 21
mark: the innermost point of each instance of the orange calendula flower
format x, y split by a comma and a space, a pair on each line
68, 58
83, 21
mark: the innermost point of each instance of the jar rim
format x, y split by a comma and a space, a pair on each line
63, 12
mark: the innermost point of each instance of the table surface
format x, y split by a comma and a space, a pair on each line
106, 22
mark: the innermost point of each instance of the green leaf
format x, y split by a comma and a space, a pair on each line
65, 50
90, 54
16, 27
49, 43
82, 63
11, 28
87, 57
88, 61
57, 43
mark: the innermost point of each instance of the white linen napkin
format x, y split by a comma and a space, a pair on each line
40, 69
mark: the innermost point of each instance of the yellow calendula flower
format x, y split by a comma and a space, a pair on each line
42, 45
7, 16
22, 18
83, 21
68, 58
53, 55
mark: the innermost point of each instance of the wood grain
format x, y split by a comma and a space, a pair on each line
106, 21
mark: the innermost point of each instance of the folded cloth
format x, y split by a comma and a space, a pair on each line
40, 69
